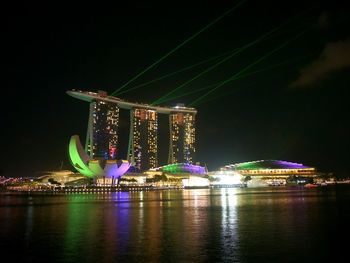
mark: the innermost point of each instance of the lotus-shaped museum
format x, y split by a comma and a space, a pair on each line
89, 167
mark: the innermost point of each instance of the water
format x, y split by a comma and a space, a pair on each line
208, 225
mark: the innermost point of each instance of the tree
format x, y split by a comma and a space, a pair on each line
247, 178
52, 181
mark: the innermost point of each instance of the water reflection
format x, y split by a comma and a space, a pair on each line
150, 226
229, 235
29, 221
209, 225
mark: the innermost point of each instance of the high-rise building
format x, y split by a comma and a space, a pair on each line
182, 137
102, 134
142, 148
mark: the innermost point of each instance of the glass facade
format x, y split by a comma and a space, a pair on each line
103, 132
182, 138
102, 140
143, 138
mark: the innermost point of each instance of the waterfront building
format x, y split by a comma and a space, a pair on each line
181, 174
180, 168
182, 138
95, 168
271, 168
60, 177
102, 133
142, 148
226, 178
272, 172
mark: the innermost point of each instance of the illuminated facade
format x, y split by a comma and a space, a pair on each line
142, 148
271, 168
272, 172
102, 134
180, 168
90, 167
182, 138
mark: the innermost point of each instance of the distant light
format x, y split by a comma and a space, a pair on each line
195, 181
179, 105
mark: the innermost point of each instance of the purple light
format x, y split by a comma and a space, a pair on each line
289, 165
182, 168
266, 164
113, 170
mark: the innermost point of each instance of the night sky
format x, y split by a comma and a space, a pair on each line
296, 109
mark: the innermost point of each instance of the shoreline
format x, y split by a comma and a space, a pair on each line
105, 190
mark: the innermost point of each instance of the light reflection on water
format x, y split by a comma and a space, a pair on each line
202, 225
229, 233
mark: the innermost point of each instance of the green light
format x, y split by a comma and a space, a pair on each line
163, 98
166, 96
197, 101
76, 152
175, 72
172, 168
190, 92
238, 77
249, 166
179, 46
76, 216
210, 98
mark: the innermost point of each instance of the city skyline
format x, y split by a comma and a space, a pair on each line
102, 131
270, 80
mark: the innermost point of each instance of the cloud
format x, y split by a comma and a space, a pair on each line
334, 57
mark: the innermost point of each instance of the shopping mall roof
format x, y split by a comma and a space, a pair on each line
265, 164
181, 168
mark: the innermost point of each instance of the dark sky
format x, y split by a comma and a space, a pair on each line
297, 111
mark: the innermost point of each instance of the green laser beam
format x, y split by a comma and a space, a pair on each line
196, 101
161, 99
238, 77
227, 93
176, 72
179, 46
193, 91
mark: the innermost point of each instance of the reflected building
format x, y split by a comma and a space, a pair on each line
142, 149
182, 137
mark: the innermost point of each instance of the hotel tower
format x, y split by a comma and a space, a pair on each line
102, 133
182, 137
142, 149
